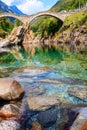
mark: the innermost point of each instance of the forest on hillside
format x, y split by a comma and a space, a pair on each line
68, 5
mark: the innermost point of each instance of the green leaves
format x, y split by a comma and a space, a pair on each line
68, 5
46, 26
5, 27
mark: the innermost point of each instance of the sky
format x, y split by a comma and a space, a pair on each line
31, 6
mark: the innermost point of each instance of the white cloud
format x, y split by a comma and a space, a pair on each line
8, 2
31, 6
27, 6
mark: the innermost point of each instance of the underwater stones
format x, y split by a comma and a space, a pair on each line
36, 90
81, 121
51, 81
36, 126
79, 92
10, 89
47, 118
42, 102
9, 125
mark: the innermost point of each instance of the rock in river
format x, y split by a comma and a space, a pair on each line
9, 125
79, 92
42, 102
48, 118
81, 121
10, 111
36, 126
10, 89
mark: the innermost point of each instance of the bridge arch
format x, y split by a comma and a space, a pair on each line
3, 15
55, 15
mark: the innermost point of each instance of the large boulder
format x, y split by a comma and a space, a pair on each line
10, 89
42, 102
10, 111
81, 121
9, 125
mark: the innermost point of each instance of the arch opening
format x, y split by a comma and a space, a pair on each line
45, 25
45, 14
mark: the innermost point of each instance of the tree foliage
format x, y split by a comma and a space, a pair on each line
46, 26
17, 23
68, 5
6, 26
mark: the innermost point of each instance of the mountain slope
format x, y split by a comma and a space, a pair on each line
16, 10
10, 9
68, 5
5, 8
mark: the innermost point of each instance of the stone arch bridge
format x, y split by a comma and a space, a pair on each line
29, 18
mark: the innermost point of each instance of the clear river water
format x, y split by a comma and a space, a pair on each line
49, 73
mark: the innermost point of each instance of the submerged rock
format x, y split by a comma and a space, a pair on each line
42, 102
51, 81
47, 118
36, 126
10, 89
9, 125
79, 92
35, 91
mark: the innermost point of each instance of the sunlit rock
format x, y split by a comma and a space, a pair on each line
42, 102
10, 89
16, 35
9, 111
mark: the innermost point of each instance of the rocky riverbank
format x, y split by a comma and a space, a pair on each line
68, 40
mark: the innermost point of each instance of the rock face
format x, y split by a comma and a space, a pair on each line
16, 35
42, 102
10, 89
75, 41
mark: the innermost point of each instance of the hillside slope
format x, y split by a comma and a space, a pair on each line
5, 8
68, 5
